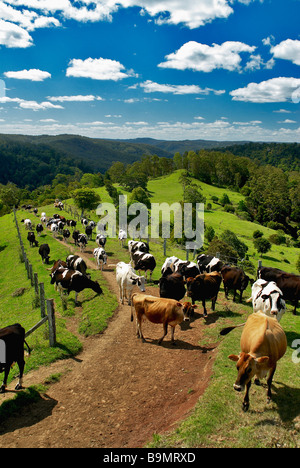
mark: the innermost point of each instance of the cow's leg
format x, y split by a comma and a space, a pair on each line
165, 327
269, 382
295, 309
21, 365
6, 372
246, 403
76, 296
213, 303
139, 328
205, 311
226, 292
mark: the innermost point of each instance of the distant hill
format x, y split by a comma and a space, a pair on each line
181, 146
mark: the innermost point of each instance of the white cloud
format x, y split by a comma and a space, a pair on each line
274, 90
152, 87
33, 75
202, 57
288, 50
288, 121
78, 98
35, 106
13, 36
98, 69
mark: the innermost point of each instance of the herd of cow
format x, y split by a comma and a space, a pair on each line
263, 340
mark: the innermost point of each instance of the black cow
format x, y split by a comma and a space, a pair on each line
204, 287
75, 236
209, 263
234, 279
172, 286
287, 282
143, 261
39, 229
89, 231
31, 239
44, 252
66, 234
71, 280
12, 339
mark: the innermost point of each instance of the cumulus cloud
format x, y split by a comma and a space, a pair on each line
98, 69
13, 36
32, 74
35, 106
202, 57
190, 13
287, 50
279, 89
152, 87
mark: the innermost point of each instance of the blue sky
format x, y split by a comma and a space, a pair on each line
165, 69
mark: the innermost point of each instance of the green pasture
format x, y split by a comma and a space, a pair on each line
218, 419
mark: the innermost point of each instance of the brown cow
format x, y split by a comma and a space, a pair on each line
263, 343
159, 310
203, 287
234, 279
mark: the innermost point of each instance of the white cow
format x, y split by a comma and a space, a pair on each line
100, 256
122, 236
27, 224
267, 297
127, 279
54, 229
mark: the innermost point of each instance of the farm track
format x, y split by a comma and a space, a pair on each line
119, 391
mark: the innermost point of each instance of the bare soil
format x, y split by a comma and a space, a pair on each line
119, 391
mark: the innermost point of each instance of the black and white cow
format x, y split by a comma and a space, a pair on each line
12, 339
84, 222
134, 246
31, 239
72, 223
267, 298
44, 252
100, 256
74, 262
72, 280
143, 262
122, 236
209, 263
82, 241
101, 240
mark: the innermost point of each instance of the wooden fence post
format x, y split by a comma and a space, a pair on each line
51, 321
42, 300
165, 247
36, 284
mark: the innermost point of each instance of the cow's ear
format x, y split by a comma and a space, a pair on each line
262, 360
233, 357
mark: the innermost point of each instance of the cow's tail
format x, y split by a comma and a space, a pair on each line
227, 330
29, 350
131, 307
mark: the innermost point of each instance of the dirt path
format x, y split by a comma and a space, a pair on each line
119, 391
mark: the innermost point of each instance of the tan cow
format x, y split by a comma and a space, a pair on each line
159, 310
263, 343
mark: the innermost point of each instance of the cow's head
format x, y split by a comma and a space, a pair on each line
139, 281
247, 366
188, 310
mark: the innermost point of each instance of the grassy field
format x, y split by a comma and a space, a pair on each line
218, 420
93, 313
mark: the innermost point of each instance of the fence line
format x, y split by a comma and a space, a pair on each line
45, 304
